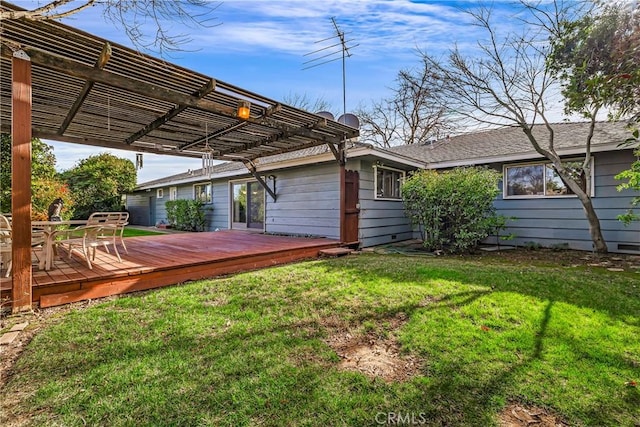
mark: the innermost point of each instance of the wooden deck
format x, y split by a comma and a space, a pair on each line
162, 260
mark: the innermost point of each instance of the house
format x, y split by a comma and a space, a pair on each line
306, 184
307, 189
531, 192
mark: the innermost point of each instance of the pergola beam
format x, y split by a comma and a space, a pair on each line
100, 63
43, 134
253, 171
227, 129
200, 93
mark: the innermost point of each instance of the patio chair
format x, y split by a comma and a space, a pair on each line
120, 224
86, 239
5, 243
38, 240
119, 219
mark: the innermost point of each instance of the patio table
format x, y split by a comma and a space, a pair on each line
49, 228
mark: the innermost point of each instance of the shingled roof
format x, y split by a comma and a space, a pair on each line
232, 168
510, 143
318, 153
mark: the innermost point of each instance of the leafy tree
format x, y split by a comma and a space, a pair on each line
131, 16
597, 58
632, 177
510, 82
46, 185
45, 191
410, 115
98, 183
454, 209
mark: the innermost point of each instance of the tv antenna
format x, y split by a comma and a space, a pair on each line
332, 52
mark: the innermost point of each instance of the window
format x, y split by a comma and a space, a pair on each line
160, 193
540, 180
202, 192
388, 182
173, 193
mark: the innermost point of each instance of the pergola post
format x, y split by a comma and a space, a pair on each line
342, 161
21, 181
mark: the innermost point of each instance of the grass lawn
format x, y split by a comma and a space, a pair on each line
264, 348
132, 232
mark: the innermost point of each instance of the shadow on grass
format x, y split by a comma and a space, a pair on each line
240, 373
617, 294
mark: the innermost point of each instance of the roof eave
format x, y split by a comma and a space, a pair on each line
289, 163
521, 156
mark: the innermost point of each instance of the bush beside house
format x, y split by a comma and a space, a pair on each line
453, 209
186, 215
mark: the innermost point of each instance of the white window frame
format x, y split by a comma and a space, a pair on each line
210, 195
402, 177
544, 194
160, 193
173, 193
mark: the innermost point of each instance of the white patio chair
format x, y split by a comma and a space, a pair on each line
86, 239
5, 244
38, 240
119, 219
120, 224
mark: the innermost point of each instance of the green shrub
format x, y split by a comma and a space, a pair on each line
187, 215
454, 209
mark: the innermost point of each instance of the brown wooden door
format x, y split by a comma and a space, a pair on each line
352, 207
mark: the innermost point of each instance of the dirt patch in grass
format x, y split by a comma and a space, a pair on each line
374, 352
515, 415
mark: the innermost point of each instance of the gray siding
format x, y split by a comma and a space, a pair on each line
138, 206
307, 202
218, 215
550, 221
161, 209
381, 221
215, 214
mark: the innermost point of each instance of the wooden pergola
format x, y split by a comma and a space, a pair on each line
63, 84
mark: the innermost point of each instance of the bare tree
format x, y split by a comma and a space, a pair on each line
410, 115
132, 16
304, 102
379, 123
510, 83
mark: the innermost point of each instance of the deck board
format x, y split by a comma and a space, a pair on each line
163, 260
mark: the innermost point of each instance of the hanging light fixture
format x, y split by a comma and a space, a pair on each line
244, 109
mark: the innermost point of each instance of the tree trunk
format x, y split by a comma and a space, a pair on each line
599, 244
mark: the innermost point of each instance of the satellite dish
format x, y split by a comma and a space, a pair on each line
326, 115
350, 120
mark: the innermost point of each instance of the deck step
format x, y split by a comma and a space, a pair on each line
335, 252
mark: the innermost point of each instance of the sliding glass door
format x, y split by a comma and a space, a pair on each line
247, 210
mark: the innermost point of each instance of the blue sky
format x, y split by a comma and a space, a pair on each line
261, 46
